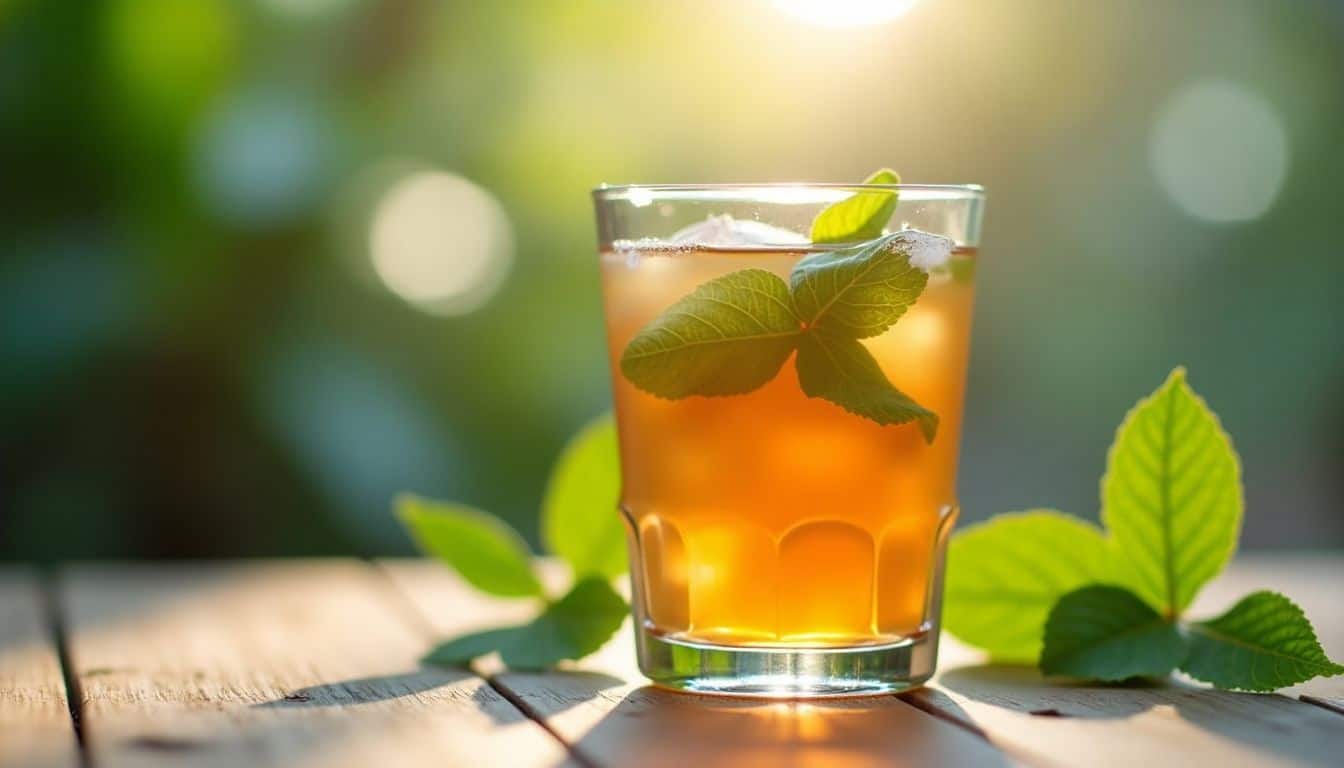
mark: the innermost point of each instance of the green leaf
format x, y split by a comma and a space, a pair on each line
1171, 496
570, 628
727, 337
460, 651
579, 518
1108, 633
860, 291
490, 555
858, 217
842, 371
1003, 577
1264, 642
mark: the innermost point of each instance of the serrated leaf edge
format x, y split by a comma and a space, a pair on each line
1328, 669
1176, 377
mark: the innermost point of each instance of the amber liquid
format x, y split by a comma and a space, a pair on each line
772, 518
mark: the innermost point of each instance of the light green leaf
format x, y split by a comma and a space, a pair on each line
579, 518
1264, 642
859, 291
842, 371
1171, 496
1108, 633
488, 554
1004, 576
727, 337
858, 217
570, 628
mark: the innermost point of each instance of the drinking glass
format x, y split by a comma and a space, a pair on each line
780, 545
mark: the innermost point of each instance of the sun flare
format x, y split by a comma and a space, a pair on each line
845, 13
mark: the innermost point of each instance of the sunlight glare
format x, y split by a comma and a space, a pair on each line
845, 13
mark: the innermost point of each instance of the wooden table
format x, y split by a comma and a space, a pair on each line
303, 663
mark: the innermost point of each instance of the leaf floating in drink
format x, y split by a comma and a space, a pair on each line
862, 290
728, 337
861, 216
841, 370
733, 333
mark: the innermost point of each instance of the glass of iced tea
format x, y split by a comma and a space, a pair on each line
789, 408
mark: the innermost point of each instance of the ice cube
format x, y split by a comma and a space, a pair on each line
927, 251
724, 230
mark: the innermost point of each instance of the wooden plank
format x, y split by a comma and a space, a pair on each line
35, 726
274, 664
611, 716
1168, 724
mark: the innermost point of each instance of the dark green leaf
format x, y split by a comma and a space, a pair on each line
858, 217
1264, 642
728, 337
1108, 633
842, 371
460, 651
579, 518
1004, 576
860, 291
571, 628
1171, 496
488, 554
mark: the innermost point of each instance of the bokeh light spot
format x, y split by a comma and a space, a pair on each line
260, 158
845, 13
1220, 151
440, 242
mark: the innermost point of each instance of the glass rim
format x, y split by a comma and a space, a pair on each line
771, 191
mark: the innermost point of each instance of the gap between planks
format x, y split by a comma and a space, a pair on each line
266, 663
407, 607
1031, 720
74, 694
610, 716
36, 729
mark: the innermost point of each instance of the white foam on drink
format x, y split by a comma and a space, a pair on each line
927, 251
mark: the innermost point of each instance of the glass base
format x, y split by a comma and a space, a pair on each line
786, 673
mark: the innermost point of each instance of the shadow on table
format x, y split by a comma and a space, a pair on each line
366, 690
1267, 724
425, 681
1023, 689
651, 726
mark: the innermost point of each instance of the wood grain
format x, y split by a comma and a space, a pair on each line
274, 664
35, 726
1168, 724
609, 714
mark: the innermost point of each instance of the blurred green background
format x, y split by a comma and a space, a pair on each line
268, 262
